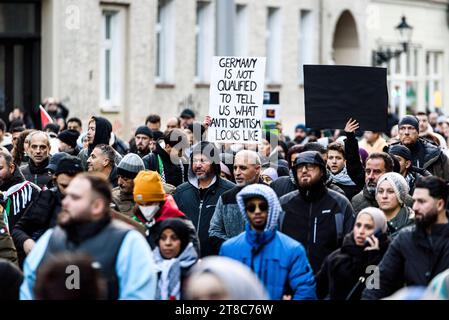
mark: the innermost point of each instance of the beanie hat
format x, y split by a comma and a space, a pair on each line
312, 157
301, 127
179, 227
363, 155
144, 130
401, 150
187, 113
378, 216
54, 160
130, 165
69, 165
148, 187
69, 137
397, 182
410, 120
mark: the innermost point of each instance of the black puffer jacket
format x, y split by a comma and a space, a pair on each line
342, 269
414, 258
318, 218
199, 206
38, 175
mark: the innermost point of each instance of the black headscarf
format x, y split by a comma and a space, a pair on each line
179, 227
103, 129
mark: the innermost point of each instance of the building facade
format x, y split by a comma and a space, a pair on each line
125, 59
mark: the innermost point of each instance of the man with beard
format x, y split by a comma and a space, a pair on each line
227, 221
421, 251
198, 197
85, 226
376, 165
317, 217
143, 141
425, 155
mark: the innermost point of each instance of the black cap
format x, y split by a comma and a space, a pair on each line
69, 137
69, 165
54, 160
311, 157
187, 113
144, 130
410, 120
401, 150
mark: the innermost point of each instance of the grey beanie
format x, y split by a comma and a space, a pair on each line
378, 216
398, 183
130, 166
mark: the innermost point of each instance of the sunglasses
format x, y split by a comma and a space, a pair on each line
252, 207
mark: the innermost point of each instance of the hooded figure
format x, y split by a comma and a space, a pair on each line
199, 202
278, 261
173, 258
103, 130
236, 280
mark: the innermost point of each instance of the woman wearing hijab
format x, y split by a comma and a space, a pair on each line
279, 261
222, 278
345, 271
174, 256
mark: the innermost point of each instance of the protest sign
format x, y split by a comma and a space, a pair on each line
333, 94
235, 99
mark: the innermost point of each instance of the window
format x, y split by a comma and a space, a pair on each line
112, 60
274, 46
306, 41
204, 37
434, 80
165, 41
241, 31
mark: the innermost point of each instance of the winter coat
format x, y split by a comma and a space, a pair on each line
413, 174
427, 156
279, 261
318, 218
200, 209
159, 160
7, 248
39, 175
41, 215
119, 145
124, 202
168, 210
414, 258
404, 218
342, 269
353, 164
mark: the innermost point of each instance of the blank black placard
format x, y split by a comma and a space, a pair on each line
333, 94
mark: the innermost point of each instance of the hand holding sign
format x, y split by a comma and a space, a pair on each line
236, 97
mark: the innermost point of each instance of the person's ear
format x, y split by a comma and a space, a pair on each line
408, 164
441, 206
97, 207
12, 167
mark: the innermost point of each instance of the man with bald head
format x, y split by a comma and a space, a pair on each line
173, 123
36, 170
227, 221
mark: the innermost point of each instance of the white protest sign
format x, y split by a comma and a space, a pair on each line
236, 99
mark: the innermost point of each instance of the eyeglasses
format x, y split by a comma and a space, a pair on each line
308, 166
252, 207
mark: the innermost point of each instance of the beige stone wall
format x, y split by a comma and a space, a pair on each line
70, 56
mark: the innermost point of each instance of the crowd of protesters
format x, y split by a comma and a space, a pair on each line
326, 214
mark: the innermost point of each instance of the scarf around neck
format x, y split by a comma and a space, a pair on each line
342, 178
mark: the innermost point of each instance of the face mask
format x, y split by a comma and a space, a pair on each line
149, 211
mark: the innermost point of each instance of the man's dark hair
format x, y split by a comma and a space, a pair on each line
176, 137
315, 146
153, 118
437, 187
388, 161
16, 123
75, 119
108, 151
99, 185
421, 113
336, 146
17, 129
297, 148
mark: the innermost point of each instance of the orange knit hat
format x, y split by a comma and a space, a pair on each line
148, 187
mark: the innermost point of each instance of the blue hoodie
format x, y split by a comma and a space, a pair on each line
275, 258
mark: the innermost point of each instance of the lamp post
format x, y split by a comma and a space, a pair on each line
404, 33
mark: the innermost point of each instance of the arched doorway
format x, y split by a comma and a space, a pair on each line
346, 42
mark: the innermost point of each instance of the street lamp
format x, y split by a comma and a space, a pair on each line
404, 33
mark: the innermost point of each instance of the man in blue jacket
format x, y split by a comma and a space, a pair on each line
85, 226
279, 261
